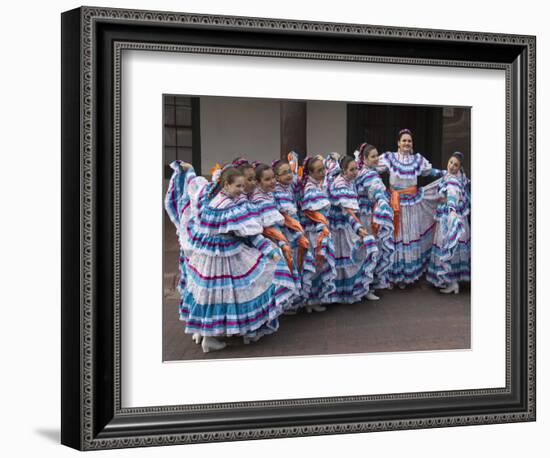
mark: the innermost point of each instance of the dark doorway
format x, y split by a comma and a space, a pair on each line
437, 131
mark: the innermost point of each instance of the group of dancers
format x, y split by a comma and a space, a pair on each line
261, 240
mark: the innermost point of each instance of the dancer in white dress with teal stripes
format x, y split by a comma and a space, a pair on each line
230, 286
376, 214
413, 209
247, 169
272, 221
286, 196
315, 206
355, 249
450, 257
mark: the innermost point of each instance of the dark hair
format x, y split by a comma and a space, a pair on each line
276, 165
368, 148
307, 168
260, 169
459, 156
311, 162
345, 161
403, 132
363, 149
228, 176
245, 166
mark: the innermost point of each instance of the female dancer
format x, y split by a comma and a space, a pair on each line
315, 206
230, 286
247, 169
355, 249
285, 276
413, 218
375, 213
272, 221
450, 257
285, 195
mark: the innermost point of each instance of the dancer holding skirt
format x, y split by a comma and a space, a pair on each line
450, 257
413, 209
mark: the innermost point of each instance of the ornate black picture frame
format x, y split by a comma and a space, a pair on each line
92, 42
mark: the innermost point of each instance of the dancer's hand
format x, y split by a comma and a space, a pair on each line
362, 232
275, 257
319, 261
185, 165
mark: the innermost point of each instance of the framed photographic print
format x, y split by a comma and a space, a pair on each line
277, 228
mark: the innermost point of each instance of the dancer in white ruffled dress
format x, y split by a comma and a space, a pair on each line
286, 196
450, 256
230, 284
413, 208
268, 215
315, 207
355, 249
375, 213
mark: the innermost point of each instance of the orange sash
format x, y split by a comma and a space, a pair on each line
318, 217
303, 242
292, 223
275, 234
395, 203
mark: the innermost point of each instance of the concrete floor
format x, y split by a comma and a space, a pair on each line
417, 318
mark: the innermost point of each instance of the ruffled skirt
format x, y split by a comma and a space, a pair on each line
450, 256
241, 294
385, 245
355, 260
413, 241
322, 281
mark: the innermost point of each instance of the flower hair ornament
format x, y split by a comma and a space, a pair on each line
215, 172
292, 158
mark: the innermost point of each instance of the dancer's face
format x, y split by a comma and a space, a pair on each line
351, 171
405, 143
236, 187
249, 180
284, 174
267, 180
372, 158
453, 166
317, 170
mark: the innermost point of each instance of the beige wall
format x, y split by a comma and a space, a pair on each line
326, 127
232, 126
